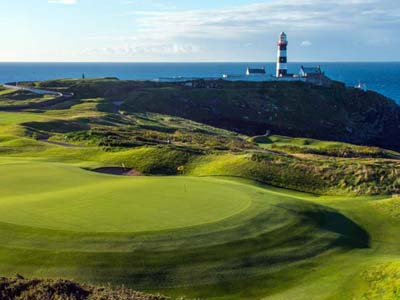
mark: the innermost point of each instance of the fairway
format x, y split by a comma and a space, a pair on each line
11, 118
56, 196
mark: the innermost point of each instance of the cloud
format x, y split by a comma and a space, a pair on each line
172, 30
271, 17
151, 5
145, 50
248, 45
65, 2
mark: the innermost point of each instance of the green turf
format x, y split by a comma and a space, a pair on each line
204, 237
179, 235
62, 197
12, 118
163, 232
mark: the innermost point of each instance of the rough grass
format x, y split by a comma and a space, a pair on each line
130, 130
382, 282
158, 144
310, 175
24, 289
330, 176
14, 98
390, 207
327, 148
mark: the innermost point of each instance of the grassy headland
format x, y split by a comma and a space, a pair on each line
286, 108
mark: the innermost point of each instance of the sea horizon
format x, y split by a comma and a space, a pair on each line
194, 62
377, 76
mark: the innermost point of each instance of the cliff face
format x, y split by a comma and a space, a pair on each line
253, 108
287, 108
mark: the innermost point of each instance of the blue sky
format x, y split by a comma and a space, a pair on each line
206, 30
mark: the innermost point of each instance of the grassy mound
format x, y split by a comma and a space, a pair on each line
327, 148
390, 207
381, 282
12, 99
315, 175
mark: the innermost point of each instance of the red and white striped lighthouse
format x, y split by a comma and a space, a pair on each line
281, 66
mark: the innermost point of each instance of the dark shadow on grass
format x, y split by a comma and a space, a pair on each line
351, 235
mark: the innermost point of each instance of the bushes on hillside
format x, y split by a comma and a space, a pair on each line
339, 151
330, 176
22, 289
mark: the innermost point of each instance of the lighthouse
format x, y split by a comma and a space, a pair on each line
281, 66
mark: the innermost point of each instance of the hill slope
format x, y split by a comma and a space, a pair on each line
287, 108
104, 132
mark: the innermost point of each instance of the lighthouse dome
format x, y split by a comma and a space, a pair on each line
283, 38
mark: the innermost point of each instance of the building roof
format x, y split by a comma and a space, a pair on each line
255, 71
311, 70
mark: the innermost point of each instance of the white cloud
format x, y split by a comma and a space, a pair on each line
248, 45
145, 50
151, 5
190, 31
273, 16
65, 2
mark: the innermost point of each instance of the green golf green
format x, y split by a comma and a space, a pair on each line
56, 196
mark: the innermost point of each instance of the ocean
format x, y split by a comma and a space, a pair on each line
381, 77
